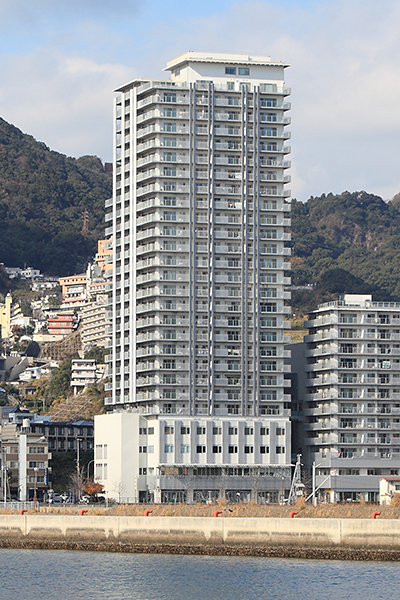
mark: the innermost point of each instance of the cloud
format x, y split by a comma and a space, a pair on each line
61, 100
26, 10
344, 57
345, 60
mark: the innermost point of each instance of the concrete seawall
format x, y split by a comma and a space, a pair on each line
313, 538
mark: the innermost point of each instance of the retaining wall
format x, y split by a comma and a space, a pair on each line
199, 531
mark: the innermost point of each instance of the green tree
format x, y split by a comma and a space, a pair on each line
59, 383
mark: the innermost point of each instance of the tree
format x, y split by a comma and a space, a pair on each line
76, 484
59, 384
96, 353
120, 488
93, 489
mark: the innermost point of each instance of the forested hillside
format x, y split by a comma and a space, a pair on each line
341, 243
43, 195
345, 243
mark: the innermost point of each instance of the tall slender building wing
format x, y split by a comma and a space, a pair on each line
199, 220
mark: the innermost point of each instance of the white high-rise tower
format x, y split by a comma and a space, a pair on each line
199, 220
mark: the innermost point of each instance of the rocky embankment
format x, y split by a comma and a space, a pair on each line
317, 553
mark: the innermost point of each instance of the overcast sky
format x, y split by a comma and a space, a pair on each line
61, 59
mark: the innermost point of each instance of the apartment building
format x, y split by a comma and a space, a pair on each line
199, 220
351, 406
95, 323
25, 458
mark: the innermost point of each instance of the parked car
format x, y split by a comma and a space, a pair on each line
55, 499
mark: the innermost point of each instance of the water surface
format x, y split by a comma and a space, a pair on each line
56, 575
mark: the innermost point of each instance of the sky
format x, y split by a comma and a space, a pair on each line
60, 61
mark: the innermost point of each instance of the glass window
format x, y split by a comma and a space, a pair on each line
244, 71
170, 127
230, 70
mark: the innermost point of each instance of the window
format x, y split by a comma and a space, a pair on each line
168, 430
168, 230
169, 349
244, 71
169, 112
169, 97
151, 430
169, 448
142, 430
264, 431
232, 430
142, 471
248, 431
150, 449
169, 157
169, 334
170, 245
230, 70
169, 363
200, 449
248, 449
280, 449
169, 378
217, 449
185, 449
142, 449
280, 431
201, 430
217, 430
170, 127
268, 87
185, 430
169, 201
170, 171
169, 290
232, 449
264, 449
169, 141
39, 479
36, 450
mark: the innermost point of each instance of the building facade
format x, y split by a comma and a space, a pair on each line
352, 402
25, 462
199, 221
95, 323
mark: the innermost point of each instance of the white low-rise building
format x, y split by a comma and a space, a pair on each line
83, 374
165, 457
389, 488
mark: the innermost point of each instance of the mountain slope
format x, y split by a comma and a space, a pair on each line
43, 195
346, 243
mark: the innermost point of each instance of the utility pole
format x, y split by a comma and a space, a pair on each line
4, 472
4, 483
78, 468
314, 485
34, 489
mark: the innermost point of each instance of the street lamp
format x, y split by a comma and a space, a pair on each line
78, 441
87, 471
34, 489
78, 468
